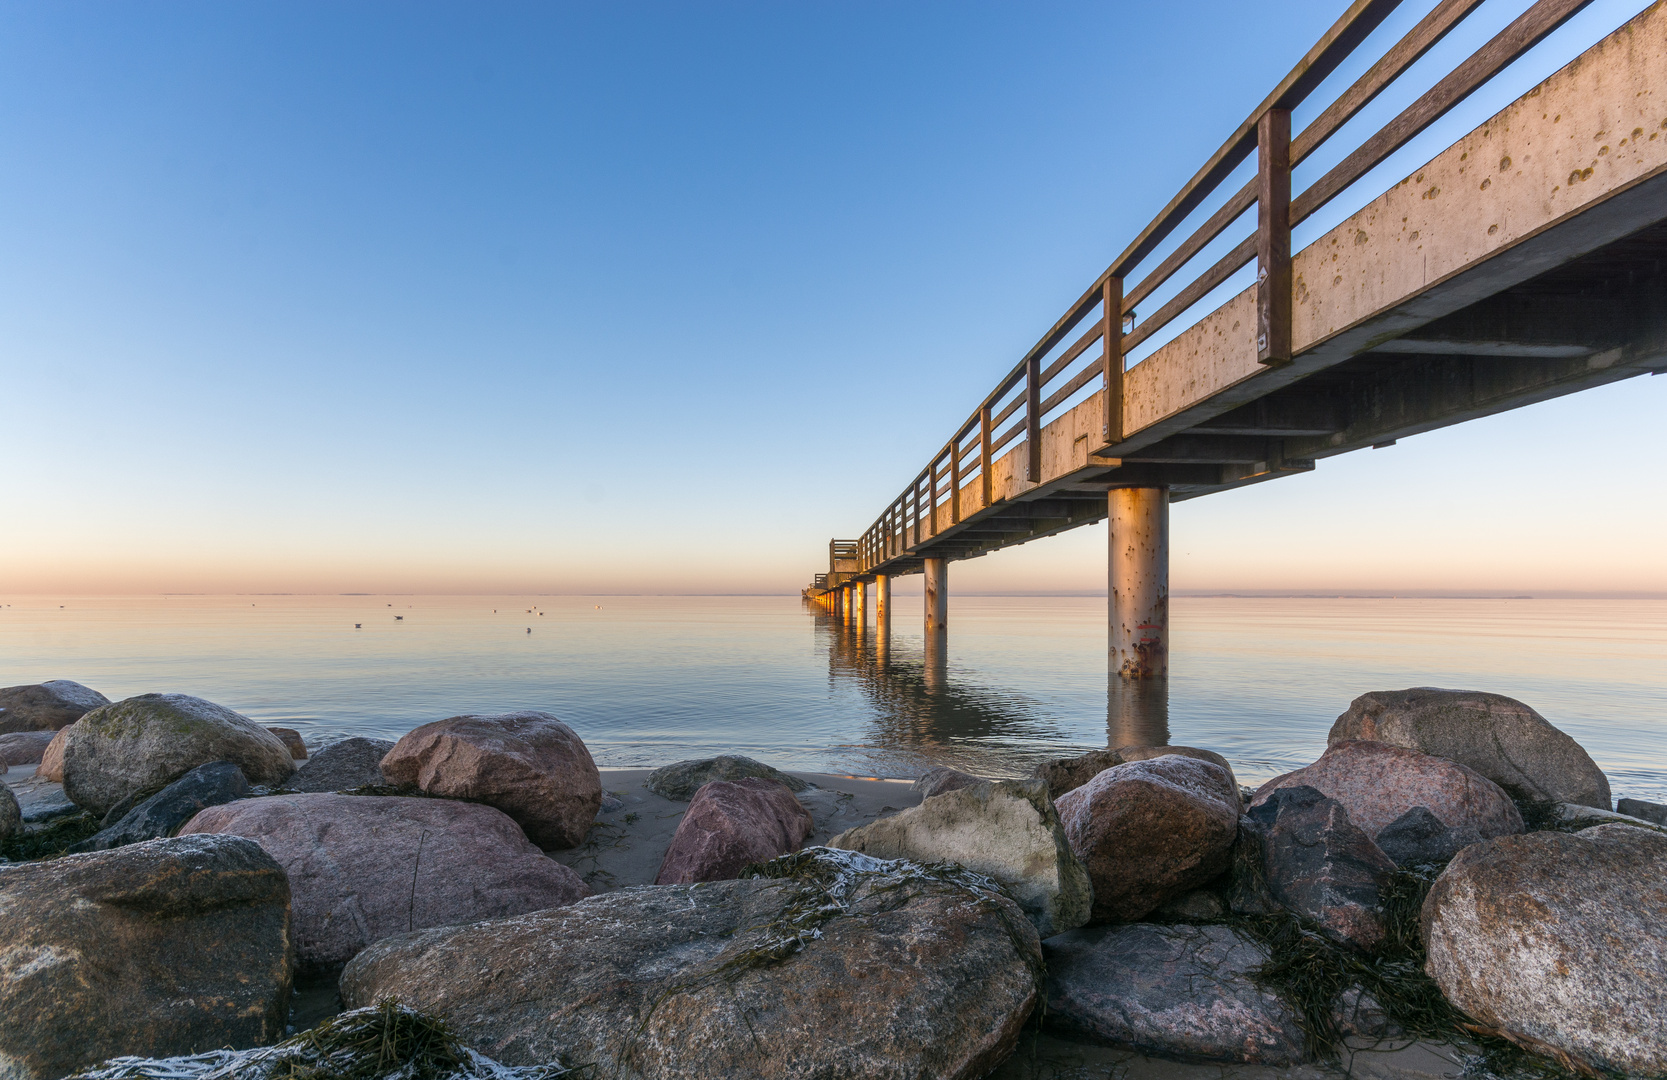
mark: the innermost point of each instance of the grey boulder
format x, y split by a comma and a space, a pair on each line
1319, 865
142, 744
343, 766
1499, 737
837, 965
208, 785
364, 867
1007, 830
1418, 838
680, 780
730, 824
1653, 812
24, 747
1176, 991
46, 706
1067, 774
162, 948
941, 778
11, 814
1558, 941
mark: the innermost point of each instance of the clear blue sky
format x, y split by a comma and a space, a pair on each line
617, 297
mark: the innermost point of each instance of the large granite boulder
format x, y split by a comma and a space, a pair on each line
1175, 991
1378, 784
1150, 830
1317, 864
1499, 737
680, 780
729, 824
365, 867
11, 814
941, 778
530, 765
1068, 774
213, 784
1007, 830
839, 965
52, 758
1558, 941
46, 706
144, 743
162, 948
343, 766
292, 741
24, 747
1653, 812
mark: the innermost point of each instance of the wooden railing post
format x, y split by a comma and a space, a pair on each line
984, 455
1111, 363
932, 497
1033, 419
955, 479
1273, 237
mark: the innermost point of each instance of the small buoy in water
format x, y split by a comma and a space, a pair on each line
399, 618
529, 629
358, 626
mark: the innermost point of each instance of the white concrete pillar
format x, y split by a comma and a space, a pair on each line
859, 604
882, 603
937, 594
1138, 607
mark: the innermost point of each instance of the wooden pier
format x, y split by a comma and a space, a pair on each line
1526, 261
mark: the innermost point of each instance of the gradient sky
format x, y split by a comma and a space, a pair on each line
446, 297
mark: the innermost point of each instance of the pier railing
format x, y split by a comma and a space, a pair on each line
1085, 352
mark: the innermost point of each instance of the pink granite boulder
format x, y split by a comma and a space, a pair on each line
52, 758
1150, 830
362, 868
25, 747
1392, 794
729, 824
527, 764
292, 741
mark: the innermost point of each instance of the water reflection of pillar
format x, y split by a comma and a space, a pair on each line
1137, 711
936, 669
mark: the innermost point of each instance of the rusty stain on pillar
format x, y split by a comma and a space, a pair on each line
1138, 606
937, 594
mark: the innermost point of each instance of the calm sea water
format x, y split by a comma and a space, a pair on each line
648, 680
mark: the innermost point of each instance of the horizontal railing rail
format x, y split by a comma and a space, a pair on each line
1049, 378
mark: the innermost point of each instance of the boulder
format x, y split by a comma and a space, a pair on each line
292, 740
143, 744
1558, 941
46, 706
1150, 830
208, 785
11, 814
941, 778
1006, 830
1378, 783
365, 867
1198, 905
343, 766
1499, 737
1068, 774
52, 758
162, 948
680, 780
836, 965
25, 747
729, 824
527, 764
1652, 812
1175, 991
1418, 838
1319, 865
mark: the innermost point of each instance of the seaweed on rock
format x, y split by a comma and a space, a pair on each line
387, 1041
51, 841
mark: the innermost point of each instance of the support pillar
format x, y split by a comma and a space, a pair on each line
859, 604
1138, 520
882, 603
937, 594
848, 604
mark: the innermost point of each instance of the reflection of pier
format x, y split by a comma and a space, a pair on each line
924, 714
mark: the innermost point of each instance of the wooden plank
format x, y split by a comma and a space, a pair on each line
955, 480
1111, 361
1528, 30
1230, 212
1273, 238
985, 451
1224, 268
1077, 348
1078, 381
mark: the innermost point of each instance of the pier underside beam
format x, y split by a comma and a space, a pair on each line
1138, 601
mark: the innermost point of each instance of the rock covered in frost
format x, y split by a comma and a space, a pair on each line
343, 766
528, 764
1175, 991
366, 867
729, 824
142, 744
1499, 737
160, 948
46, 706
160, 815
1558, 941
840, 966
1150, 830
680, 780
